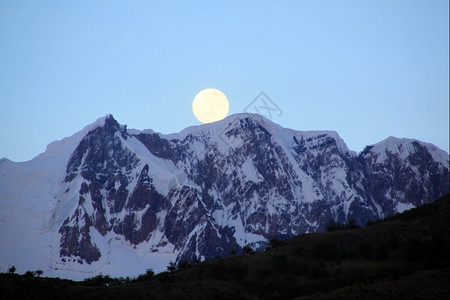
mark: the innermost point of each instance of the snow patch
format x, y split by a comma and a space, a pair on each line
401, 207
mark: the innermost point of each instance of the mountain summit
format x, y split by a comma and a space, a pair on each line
119, 201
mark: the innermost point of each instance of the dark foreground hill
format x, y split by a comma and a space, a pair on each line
404, 257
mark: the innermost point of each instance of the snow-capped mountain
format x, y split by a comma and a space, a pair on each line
119, 201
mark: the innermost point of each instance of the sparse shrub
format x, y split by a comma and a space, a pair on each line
333, 226
371, 222
351, 224
12, 270
275, 243
99, 280
374, 222
149, 274
39, 273
119, 280
248, 250
196, 260
163, 277
172, 267
183, 265
29, 274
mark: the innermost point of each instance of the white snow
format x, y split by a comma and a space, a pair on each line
27, 201
403, 147
242, 236
401, 207
162, 171
250, 172
119, 259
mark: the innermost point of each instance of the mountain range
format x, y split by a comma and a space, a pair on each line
118, 201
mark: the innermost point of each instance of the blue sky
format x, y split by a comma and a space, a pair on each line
366, 69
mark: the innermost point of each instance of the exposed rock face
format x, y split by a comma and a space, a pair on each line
404, 170
104, 167
215, 188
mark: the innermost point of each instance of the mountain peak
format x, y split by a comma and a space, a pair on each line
112, 125
403, 147
108, 125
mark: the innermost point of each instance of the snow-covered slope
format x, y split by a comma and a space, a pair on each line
119, 201
28, 192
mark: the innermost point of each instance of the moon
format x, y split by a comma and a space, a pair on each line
210, 105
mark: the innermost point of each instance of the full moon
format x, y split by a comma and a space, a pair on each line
210, 105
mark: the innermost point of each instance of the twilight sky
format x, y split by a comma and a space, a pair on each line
366, 69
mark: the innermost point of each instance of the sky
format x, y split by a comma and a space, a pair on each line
366, 69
